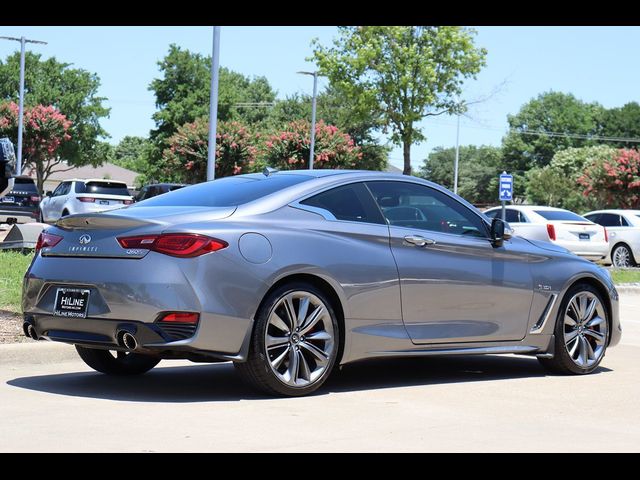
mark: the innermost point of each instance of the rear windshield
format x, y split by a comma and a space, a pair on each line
24, 185
225, 192
560, 215
102, 188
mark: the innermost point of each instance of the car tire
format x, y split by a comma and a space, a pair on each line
123, 363
581, 332
622, 257
292, 359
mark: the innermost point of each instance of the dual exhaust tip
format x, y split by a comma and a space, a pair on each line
127, 340
30, 330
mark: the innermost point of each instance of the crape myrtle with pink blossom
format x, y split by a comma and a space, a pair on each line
615, 182
45, 130
241, 150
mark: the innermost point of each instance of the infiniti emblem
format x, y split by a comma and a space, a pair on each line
84, 239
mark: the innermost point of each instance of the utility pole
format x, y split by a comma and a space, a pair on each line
22, 41
213, 106
313, 115
455, 166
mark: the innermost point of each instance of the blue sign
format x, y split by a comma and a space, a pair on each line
506, 187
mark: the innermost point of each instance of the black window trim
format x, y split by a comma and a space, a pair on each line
330, 217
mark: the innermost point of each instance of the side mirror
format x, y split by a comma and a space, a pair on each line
47, 193
500, 231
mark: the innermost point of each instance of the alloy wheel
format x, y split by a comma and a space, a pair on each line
585, 329
299, 339
621, 257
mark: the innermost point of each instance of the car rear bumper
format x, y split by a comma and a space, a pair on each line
20, 214
589, 250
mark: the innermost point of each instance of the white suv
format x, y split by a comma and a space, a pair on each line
83, 196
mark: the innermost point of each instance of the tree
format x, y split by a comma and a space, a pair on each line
557, 184
182, 95
185, 160
336, 108
290, 149
45, 132
622, 122
541, 128
402, 74
478, 170
72, 91
130, 154
614, 183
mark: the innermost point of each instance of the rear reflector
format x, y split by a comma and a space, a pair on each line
127, 202
34, 198
551, 231
606, 235
47, 240
86, 199
175, 244
191, 318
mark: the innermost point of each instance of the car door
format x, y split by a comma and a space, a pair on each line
47, 205
455, 286
58, 200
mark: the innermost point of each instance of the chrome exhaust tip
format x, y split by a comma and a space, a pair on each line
30, 330
127, 340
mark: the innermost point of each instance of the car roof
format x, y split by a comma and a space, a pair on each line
618, 211
528, 208
85, 180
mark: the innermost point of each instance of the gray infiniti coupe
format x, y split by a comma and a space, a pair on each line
288, 274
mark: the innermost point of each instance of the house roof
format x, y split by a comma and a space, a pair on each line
104, 171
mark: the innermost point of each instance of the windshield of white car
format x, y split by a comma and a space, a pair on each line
561, 215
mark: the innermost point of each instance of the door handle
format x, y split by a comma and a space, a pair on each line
419, 241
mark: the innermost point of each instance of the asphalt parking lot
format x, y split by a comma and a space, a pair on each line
487, 403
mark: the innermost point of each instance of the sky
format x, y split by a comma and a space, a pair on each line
594, 63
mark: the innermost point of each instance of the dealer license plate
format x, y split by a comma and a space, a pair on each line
72, 302
584, 236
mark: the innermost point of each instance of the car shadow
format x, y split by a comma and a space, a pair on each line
219, 382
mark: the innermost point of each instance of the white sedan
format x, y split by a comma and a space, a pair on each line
83, 196
556, 225
623, 227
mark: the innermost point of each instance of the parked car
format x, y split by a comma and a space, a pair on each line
155, 189
21, 204
83, 196
623, 227
558, 226
289, 274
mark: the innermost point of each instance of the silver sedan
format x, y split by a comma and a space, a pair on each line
288, 274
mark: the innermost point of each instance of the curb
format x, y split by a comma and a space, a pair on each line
36, 353
628, 288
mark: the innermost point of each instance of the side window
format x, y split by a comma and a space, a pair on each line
512, 216
623, 222
523, 218
609, 220
594, 217
79, 187
349, 202
57, 191
492, 214
406, 204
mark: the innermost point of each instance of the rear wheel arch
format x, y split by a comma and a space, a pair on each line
326, 288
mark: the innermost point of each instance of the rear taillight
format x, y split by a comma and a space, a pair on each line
86, 199
47, 240
606, 235
127, 202
34, 198
175, 244
191, 318
551, 231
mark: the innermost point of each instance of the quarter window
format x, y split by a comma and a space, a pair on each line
411, 205
349, 202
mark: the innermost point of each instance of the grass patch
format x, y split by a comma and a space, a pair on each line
625, 275
13, 266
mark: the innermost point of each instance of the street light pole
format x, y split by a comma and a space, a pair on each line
455, 166
213, 106
313, 116
22, 41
